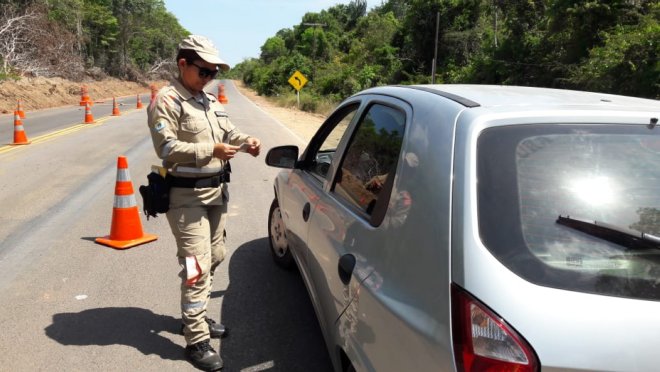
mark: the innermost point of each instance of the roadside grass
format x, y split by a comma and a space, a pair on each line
308, 102
9, 76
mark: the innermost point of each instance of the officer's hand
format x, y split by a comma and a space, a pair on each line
255, 146
224, 151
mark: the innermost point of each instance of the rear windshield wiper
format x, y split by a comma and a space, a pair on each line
630, 239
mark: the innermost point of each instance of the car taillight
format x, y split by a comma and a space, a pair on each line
483, 341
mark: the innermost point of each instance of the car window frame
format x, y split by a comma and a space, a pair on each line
375, 219
308, 157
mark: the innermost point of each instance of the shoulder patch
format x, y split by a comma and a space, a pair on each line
159, 126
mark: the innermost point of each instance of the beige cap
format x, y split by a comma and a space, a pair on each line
205, 49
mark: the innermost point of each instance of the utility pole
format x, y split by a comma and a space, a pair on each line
495, 28
495, 11
435, 51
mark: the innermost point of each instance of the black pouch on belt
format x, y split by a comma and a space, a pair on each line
155, 195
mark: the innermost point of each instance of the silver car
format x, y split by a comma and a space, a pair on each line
474, 228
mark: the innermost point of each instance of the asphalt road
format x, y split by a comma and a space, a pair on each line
69, 304
42, 122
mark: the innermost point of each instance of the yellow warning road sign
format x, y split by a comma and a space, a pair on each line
297, 80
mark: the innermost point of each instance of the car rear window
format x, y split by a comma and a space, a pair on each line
535, 181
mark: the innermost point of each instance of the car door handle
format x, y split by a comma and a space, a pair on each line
305, 212
346, 266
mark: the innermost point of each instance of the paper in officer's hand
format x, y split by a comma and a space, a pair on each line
244, 147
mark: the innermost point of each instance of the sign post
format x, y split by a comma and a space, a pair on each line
297, 81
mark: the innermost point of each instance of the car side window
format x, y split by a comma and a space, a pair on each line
322, 157
367, 172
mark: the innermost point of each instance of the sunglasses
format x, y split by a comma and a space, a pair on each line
205, 72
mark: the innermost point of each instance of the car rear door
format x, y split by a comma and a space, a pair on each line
344, 227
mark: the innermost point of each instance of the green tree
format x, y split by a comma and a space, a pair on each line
609, 46
627, 62
69, 14
100, 30
272, 49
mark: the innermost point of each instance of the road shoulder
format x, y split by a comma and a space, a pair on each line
304, 124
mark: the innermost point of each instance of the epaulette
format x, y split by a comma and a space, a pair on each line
221, 114
168, 91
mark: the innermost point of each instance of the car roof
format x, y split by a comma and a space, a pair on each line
470, 95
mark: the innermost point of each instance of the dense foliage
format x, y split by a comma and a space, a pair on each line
598, 45
123, 38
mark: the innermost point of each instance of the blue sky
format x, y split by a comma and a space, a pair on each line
239, 28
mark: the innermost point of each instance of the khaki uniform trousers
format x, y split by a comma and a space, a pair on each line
200, 237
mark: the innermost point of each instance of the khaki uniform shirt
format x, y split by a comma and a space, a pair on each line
184, 129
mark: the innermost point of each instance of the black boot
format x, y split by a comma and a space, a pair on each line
216, 330
202, 356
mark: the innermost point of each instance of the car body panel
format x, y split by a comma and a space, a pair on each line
395, 312
568, 330
408, 290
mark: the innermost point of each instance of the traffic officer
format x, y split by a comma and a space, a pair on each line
193, 135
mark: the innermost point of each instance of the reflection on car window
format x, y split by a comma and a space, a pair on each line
368, 168
331, 142
323, 157
530, 175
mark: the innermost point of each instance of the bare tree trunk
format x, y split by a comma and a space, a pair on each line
15, 36
31, 44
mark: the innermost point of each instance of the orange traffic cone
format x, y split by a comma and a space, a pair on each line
154, 92
126, 230
221, 94
89, 118
84, 96
139, 102
19, 133
19, 109
115, 108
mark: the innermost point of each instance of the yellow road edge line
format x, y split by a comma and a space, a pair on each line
6, 148
43, 139
58, 132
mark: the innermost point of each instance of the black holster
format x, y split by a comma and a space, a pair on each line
156, 195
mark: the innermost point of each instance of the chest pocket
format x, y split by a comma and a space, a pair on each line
224, 124
193, 130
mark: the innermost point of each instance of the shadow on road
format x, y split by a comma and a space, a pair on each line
272, 321
138, 328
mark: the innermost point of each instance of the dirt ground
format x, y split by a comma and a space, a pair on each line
41, 93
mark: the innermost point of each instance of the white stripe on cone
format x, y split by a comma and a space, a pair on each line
125, 201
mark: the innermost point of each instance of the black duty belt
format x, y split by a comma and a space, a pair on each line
186, 182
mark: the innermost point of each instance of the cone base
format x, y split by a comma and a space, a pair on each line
20, 143
124, 244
